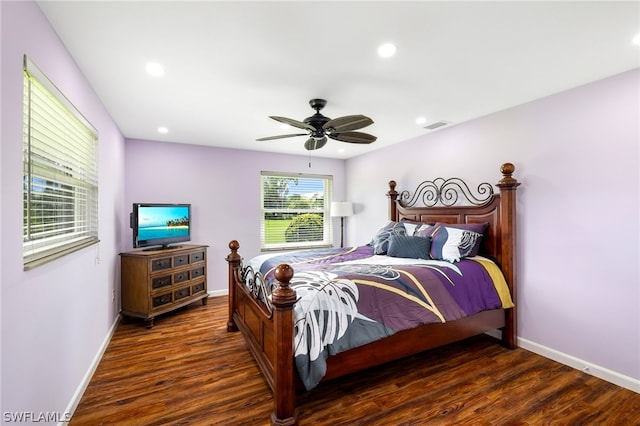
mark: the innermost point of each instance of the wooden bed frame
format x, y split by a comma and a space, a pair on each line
269, 331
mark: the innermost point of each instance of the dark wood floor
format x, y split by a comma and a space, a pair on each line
189, 370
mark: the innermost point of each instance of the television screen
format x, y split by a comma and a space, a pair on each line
160, 224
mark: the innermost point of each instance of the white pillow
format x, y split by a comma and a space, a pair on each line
451, 244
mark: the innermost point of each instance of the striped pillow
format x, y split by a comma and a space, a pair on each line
409, 247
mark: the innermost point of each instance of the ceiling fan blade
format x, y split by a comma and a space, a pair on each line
353, 137
269, 138
348, 122
294, 123
312, 143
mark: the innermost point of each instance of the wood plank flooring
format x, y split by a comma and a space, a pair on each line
189, 370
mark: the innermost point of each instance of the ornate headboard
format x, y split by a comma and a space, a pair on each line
451, 201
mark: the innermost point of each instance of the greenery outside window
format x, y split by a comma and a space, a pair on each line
295, 210
60, 173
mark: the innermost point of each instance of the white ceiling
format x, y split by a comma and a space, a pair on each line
229, 65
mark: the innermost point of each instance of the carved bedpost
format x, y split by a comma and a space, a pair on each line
233, 259
393, 196
283, 297
508, 186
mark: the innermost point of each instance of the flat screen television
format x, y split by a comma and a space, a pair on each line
156, 226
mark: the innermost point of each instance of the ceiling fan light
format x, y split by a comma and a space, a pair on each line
320, 128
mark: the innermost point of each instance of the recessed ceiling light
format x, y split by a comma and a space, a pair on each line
421, 120
163, 130
636, 39
155, 69
386, 50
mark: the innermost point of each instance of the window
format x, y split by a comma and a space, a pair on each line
60, 176
295, 210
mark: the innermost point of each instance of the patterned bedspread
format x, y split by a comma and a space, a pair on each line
349, 297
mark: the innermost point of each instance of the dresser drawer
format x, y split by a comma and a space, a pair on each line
197, 272
163, 299
160, 282
180, 277
197, 257
182, 293
180, 260
197, 288
160, 264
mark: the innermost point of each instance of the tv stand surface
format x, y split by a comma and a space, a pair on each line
159, 248
158, 281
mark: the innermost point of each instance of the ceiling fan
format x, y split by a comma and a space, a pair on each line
319, 127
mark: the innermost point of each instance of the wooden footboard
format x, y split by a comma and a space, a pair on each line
269, 330
266, 330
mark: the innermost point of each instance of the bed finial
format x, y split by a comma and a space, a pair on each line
393, 196
283, 291
282, 295
507, 170
234, 245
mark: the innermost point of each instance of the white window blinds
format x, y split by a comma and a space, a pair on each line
295, 210
60, 173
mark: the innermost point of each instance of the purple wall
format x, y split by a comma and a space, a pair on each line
55, 318
577, 156
223, 187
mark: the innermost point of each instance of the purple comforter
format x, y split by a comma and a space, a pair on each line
348, 297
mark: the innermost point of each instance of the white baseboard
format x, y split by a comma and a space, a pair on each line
215, 293
77, 396
577, 363
582, 365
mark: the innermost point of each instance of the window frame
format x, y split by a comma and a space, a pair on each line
327, 228
60, 173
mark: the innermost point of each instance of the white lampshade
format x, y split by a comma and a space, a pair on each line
341, 208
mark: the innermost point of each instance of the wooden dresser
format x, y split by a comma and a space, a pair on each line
158, 281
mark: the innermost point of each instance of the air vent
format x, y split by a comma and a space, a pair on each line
436, 125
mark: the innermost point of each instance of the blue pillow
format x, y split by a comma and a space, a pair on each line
380, 241
409, 247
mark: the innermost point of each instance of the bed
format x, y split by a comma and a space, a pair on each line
471, 238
